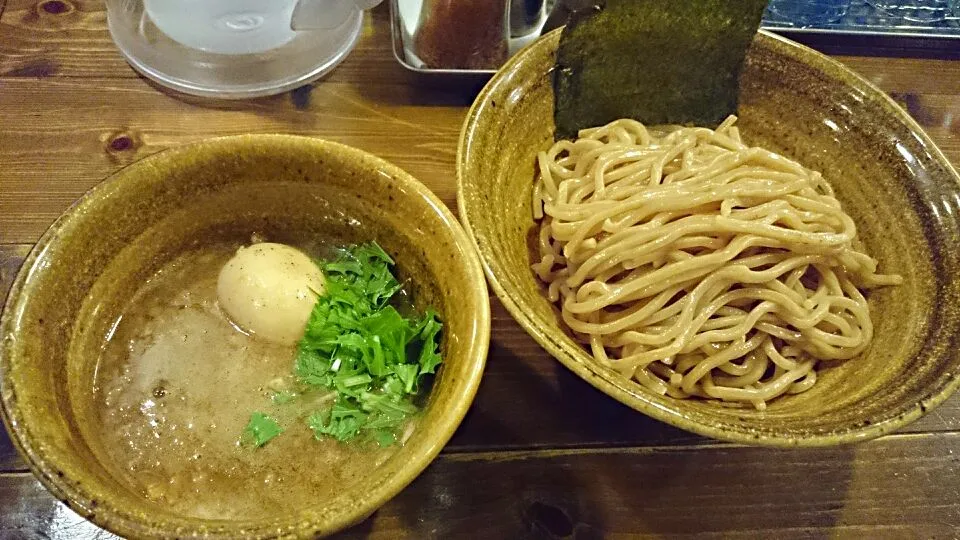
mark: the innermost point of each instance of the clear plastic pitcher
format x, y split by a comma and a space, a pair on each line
235, 48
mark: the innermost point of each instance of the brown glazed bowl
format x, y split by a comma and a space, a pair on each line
94, 257
900, 189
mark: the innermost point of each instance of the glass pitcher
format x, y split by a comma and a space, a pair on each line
235, 48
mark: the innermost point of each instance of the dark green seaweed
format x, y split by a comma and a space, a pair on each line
657, 61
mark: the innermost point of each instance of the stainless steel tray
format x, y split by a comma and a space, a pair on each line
862, 20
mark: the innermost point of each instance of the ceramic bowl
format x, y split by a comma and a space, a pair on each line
900, 189
121, 232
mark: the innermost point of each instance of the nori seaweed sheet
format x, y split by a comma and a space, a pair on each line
657, 61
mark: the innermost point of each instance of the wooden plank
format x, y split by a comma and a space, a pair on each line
899, 487
86, 129
894, 75
939, 114
51, 154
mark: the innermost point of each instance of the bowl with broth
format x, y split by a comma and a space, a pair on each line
252, 336
786, 278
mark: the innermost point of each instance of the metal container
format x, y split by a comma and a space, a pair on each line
463, 39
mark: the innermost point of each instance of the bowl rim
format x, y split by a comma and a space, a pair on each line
613, 386
106, 516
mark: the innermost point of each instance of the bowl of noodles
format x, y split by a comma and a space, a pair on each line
784, 279
257, 336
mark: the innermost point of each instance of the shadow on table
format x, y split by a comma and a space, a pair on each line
418, 93
723, 490
887, 46
424, 91
9, 458
726, 491
528, 400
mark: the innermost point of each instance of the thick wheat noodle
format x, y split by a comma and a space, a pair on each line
699, 266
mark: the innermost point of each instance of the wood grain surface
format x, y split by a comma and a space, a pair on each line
891, 488
541, 454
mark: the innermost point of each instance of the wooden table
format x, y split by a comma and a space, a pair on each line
541, 453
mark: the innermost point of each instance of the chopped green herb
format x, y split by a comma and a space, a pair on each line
384, 438
343, 422
261, 429
429, 355
361, 347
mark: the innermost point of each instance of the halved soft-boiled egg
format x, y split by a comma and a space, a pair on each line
269, 290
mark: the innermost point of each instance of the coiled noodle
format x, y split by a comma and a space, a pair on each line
697, 265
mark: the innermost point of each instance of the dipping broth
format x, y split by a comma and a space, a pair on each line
175, 386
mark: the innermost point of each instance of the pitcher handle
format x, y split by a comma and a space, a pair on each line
326, 14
